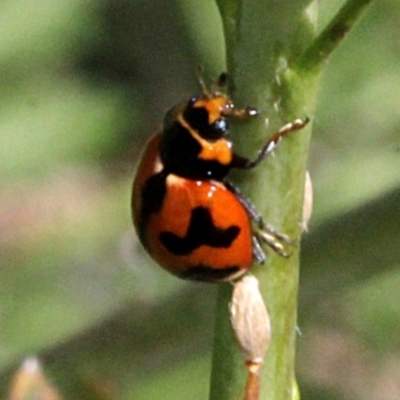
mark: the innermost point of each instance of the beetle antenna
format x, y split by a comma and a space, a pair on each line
222, 80
200, 78
220, 83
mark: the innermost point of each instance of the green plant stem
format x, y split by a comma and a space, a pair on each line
332, 35
264, 41
258, 60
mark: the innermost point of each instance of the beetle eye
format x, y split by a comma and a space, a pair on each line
192, 101
218, 128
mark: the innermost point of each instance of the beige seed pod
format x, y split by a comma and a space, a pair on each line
250, 320
30, 383
307, 202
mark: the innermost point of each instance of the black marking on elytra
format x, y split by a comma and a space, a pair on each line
205, 273
153, 194
201, 232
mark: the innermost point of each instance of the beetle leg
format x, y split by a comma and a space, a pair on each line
273, 242
258, 251
264, 233
244, 163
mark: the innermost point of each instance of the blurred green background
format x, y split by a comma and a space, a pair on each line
82, 86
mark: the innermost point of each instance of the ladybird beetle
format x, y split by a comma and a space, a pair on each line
189, 217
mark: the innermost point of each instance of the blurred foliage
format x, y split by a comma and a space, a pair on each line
82, 85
